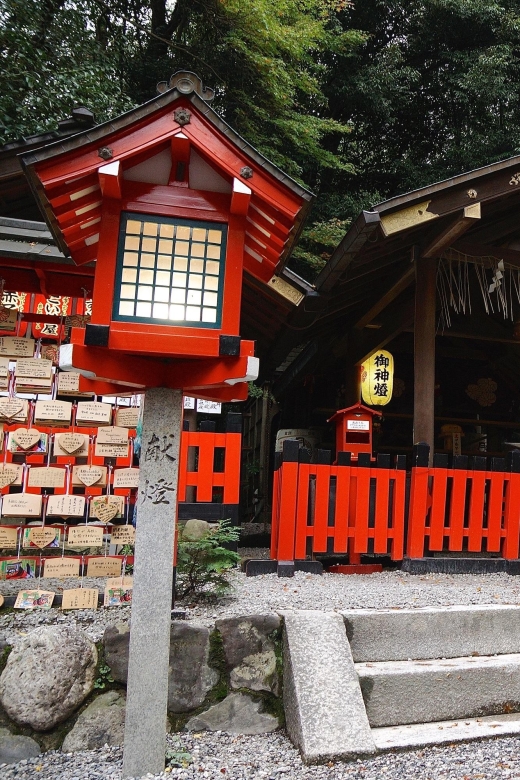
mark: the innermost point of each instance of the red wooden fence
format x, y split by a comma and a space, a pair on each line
353, 510
457, 509
217, 466
319, 508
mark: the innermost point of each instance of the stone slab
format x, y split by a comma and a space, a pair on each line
433, 632
324, 710
15, 748
447, 731
399, 692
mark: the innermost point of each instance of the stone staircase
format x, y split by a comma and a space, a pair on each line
415, 677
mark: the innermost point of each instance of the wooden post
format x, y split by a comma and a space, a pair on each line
424, 351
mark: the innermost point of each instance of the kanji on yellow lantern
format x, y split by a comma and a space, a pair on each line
377, 378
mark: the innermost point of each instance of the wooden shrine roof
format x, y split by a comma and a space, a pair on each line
64, 175
364, 296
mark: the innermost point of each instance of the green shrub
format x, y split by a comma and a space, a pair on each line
203, 565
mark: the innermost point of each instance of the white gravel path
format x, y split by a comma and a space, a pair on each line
272, 757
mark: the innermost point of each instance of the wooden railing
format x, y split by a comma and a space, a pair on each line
341, 509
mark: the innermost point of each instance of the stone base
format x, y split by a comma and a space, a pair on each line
355, 568
282, 568
460, 566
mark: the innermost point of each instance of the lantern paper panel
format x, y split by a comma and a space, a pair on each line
377, 378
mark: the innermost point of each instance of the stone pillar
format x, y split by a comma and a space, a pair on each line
147, 690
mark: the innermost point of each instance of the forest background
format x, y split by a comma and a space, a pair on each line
357, 100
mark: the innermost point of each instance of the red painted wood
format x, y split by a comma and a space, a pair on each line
398, 516
510, 547
476, 511
495, 511
360, 568
438, 509
303, 530
321, 509
418, 512
341, 511
362, 510
382, 477
275, 514
457, 509
288, 498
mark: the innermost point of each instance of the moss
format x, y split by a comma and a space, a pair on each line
4, 656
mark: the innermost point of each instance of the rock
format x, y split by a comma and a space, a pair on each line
194, 530
102, 722
116, 642
190, 676
48, 674
14, 748
236, 714
250, 651
257, 672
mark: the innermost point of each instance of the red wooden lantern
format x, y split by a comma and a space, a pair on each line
354, 429
173, 206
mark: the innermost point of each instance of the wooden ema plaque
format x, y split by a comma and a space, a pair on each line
72, 443
93, 413
68, 384
46, 477
85, 536
53, 412
104, 567
127, 417
66, 506
106, 508
8, 537
89, 476
8, 318
41, 536
21, 505
14, 409
35, 368
122, 534
112, 442
11, 346
11, 474
25, 439
80, 598
118, 592
34, 599
126, 478
61, 567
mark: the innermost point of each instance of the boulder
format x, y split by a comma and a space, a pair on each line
238, 713
48, 675
194, 529
190, 676
102, 722
14, 748
250, 651
116, 642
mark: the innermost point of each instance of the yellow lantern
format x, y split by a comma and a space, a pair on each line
377, 378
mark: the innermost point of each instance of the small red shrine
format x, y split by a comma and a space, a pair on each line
354, 427
175, 208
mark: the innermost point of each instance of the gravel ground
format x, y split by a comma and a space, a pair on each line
272, 757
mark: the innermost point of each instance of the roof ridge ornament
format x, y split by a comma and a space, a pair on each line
186, 82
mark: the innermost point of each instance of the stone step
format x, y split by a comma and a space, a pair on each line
433, 632
401, 692
446, 731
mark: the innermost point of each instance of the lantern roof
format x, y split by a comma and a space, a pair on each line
358, 408
64, 175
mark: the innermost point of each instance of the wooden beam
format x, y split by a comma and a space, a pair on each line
358, 345
406, 279
424, 352
476, 249
110, 179
240, 198
469, 217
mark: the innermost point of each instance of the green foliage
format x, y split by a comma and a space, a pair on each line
203, 565
177, 756
104, 677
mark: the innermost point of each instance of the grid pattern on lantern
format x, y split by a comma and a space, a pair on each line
170, 270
